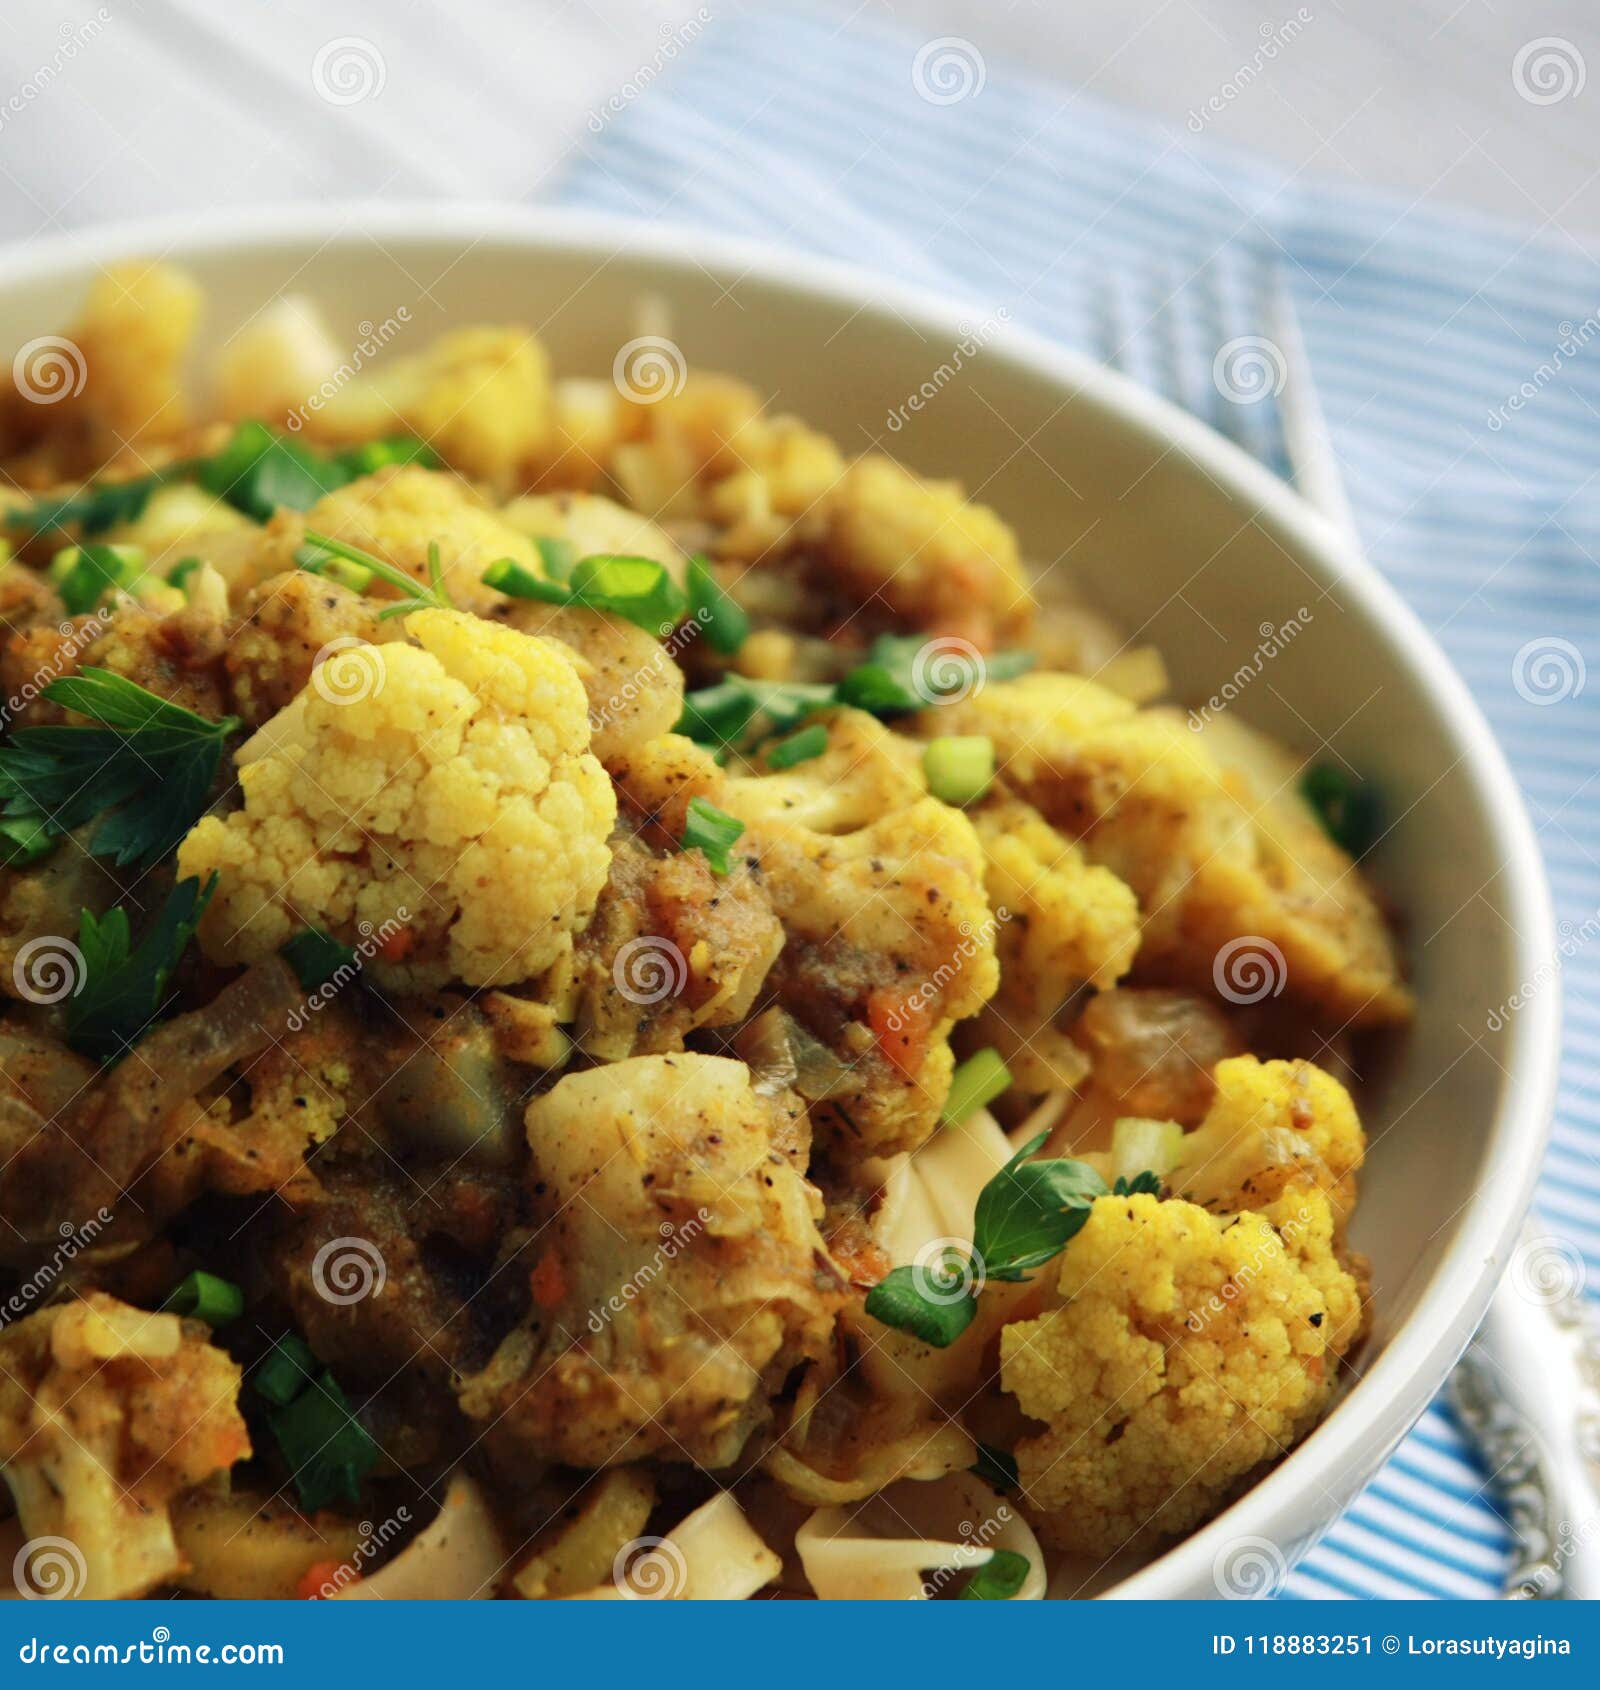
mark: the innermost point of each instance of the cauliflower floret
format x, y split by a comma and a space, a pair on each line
1271, 1125
890, 940
921, 551
135, 333
107, 1414
635, 689
679, 1279
398, 514
1191, 1349
454, 797
290, 622
1065, 920
1210, 857
479, 396
1060, 922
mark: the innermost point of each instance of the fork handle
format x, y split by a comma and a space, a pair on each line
1528, 1390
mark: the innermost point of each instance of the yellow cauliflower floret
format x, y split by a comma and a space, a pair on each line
1214, 853
890, 940
924, 553
451, 806
107, 1414
479, 396
398, 514
1060, 922
1065, 920
135, 334
1191, 1349
1271, 1125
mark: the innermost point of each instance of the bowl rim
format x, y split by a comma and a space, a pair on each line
1390, 1396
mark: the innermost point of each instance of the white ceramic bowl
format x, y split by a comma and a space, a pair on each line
1177, 535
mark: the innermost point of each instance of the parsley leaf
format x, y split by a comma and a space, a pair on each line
1030, 1211
1147, 1184
1026, 1214
998, 1579
146, 769
124, 986
997, 1467
316, 957
1350, 811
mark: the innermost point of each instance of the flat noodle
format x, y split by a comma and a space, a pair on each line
714, 1555
874, 1553
458, 1557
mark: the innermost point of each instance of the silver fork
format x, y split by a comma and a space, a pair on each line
1527, 1389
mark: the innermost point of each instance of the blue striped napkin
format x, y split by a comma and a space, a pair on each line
1458, 362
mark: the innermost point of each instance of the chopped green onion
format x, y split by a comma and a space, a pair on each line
707, 829
1138, 1143
934, 1304
316, 957
558, 557
959, 767
373, 455
321, 552
285, 1371
506, 575
998, 1579
328, 1450
83, 575
637, 588
178, 575
1350, 812
206, 1297
798, 748
723, 623
976, 1082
